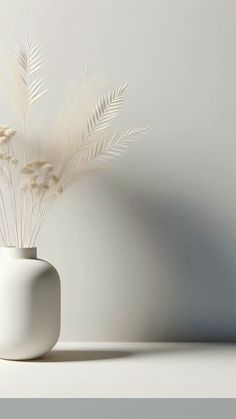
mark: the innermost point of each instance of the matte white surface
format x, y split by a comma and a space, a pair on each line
145, 251
123, 370
30, 304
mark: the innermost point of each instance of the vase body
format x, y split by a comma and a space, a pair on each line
29, 304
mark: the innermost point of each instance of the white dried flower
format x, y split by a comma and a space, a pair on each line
32, 176
6, 134
36, 164
60, 189
3, 128
44, 186
14, 161
39, 176
9, 132
4, 139
55, 179
48, 167
26, 170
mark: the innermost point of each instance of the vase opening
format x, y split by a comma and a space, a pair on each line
18, 252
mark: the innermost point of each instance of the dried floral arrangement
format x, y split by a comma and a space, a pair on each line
28, 187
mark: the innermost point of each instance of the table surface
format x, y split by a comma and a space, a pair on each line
124, 370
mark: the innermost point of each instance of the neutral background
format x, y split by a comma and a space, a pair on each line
146, 250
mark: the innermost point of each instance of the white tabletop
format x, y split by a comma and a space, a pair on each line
124, 370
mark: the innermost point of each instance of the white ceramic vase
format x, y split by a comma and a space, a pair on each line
29, 304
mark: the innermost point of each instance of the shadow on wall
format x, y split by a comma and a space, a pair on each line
201, 255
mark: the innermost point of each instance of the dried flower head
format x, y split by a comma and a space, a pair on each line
14, 161
37, 164
55, 179
39, 176
6, 134
26, 170
47, 167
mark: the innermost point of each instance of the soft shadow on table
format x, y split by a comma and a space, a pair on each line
81, 355
163, 349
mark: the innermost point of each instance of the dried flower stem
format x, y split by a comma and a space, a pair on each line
8, 240
29, 188
42, 219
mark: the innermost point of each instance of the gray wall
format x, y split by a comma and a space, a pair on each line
146, 251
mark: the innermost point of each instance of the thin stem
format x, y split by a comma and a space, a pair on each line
36, 216
3, 232
25, 147
5, 177
33, 202
12, 198
18, 213
24, 196
8, 240
26, 113
43, 216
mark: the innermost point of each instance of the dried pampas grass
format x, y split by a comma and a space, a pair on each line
29, 188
